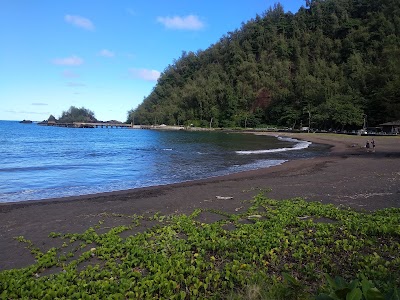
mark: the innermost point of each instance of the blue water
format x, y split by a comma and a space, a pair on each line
39, 162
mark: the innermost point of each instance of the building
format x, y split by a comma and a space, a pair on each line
391, 127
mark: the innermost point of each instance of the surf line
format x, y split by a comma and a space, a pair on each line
298, 146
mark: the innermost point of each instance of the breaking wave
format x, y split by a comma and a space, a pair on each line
297, 146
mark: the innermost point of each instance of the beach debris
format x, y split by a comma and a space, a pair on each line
367, 195
254, 217
238, 208
223, 198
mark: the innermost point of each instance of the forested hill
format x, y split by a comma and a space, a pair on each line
332, 63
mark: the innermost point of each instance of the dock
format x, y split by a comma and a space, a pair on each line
90, 125
110, 125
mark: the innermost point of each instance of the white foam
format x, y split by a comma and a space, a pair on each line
259, 164
298, 146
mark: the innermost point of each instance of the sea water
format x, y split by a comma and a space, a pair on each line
40, 162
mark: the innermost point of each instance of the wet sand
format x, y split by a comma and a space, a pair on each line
347, 175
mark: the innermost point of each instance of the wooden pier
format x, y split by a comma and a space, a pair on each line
90, 125
102, 125
111, 125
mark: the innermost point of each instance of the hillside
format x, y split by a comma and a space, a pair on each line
332, 64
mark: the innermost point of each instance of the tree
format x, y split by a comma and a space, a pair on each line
74, 114
51, 119
333, 60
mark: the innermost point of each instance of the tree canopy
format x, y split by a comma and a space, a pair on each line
74, 114
331, 64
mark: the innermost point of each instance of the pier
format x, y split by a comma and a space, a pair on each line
113, 125
90, 125
102, 125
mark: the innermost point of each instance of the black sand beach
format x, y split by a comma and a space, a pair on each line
348, 175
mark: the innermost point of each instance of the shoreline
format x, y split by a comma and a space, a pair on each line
347, 175
128, 190
336, 144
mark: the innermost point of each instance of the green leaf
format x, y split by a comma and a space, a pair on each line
342, 293
340, 282
331, 282
355, 294
393, 295
366, 285
354, 284
290, 279
182, 294
324, 297
374, 294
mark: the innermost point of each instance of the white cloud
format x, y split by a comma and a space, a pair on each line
145, 74
79, 21
26, 112
39, 104
68, 61
106, 53
190, 22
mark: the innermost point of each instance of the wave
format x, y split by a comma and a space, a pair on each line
259, 164
298, 146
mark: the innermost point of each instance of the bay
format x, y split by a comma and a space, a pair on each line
39, 162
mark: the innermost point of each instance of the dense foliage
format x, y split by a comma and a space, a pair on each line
330, 65
274, 250
74, 114
52, 119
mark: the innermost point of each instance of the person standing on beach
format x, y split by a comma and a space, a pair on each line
373, 145
367, 145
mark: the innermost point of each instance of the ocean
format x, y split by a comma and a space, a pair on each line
39, 162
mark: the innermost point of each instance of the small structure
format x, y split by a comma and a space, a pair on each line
391, 127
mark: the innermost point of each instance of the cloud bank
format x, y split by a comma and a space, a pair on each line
79, 21
68, 61
145, 74
190, 22
39, 104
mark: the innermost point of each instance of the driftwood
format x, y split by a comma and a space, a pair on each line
223, 198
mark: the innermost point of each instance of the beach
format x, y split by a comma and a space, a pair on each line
348, 175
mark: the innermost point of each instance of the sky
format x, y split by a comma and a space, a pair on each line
104, 55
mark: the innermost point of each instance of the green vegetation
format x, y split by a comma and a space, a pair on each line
74, 114
274, 250
330, 65
52, 119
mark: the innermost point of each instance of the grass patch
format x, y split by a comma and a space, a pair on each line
282, 251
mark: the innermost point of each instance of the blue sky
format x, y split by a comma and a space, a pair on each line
100, 54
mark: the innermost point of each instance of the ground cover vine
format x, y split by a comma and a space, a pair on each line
289, 249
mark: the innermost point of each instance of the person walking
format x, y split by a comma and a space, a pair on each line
373, 145
367, 145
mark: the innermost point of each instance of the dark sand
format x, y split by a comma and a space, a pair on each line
348, 175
